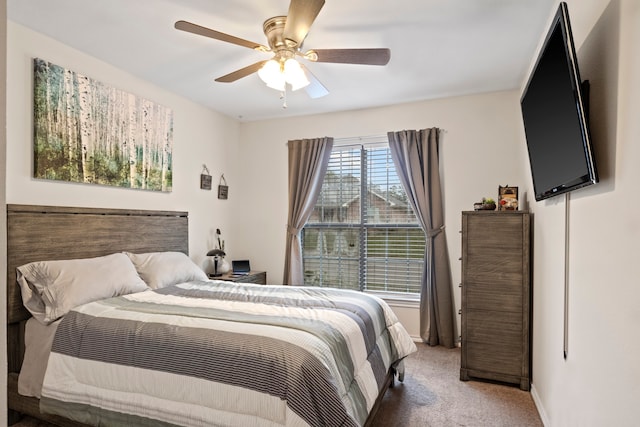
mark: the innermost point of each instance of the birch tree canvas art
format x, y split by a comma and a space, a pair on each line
88, 132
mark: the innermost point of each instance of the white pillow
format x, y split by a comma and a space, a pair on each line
160, 269
50, 289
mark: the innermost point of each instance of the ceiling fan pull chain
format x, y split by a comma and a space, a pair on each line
283, 96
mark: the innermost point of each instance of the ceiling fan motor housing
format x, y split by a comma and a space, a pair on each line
273, 29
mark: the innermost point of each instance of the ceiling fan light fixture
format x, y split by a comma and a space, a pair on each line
276, 74
294, 74
272, 75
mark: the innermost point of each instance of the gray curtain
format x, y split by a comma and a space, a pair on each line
415, 155
308, 160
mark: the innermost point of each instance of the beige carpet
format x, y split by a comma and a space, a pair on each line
432, 395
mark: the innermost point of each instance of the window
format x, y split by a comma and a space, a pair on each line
363, 233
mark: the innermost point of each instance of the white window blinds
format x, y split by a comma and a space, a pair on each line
363, 233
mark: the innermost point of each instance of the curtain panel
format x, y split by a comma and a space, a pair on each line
308, 160
416, 157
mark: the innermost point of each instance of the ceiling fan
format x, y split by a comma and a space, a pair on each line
285, 36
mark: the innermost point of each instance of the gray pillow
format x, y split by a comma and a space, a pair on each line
50, 289
160, 269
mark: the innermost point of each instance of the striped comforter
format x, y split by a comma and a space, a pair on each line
222, 354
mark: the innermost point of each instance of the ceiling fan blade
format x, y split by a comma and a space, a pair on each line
379, 56
314, 89
242, 72
207, 32
301, 15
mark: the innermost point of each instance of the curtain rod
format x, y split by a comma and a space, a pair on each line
356, 139
369, 138
360, 139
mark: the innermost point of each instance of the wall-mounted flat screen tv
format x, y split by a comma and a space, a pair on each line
554, 109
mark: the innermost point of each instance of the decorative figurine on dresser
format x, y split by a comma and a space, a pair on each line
496, 297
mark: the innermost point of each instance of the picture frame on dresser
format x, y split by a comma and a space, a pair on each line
507, 198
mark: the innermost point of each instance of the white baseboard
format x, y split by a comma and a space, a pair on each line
539, 406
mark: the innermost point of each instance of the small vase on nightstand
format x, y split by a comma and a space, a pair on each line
223, 266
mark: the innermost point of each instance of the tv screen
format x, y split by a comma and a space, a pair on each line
555, 120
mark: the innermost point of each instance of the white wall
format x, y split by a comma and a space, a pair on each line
200, 136
481, 149
599, 383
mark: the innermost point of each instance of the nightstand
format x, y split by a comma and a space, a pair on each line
258, 277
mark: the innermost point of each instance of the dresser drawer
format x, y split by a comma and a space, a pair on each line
489, 358
494, 327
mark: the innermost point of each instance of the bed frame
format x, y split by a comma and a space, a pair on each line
36, 233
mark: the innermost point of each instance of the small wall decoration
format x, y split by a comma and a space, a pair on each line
223, 190
507, 198
88, 132
205, 178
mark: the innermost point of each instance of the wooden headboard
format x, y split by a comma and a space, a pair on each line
37, 233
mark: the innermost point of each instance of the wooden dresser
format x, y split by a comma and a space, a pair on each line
496, 297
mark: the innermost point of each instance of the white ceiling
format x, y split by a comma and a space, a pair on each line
439, 48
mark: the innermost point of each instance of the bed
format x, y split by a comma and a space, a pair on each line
227, 374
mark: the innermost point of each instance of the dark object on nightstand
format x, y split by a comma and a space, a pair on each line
258, 277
